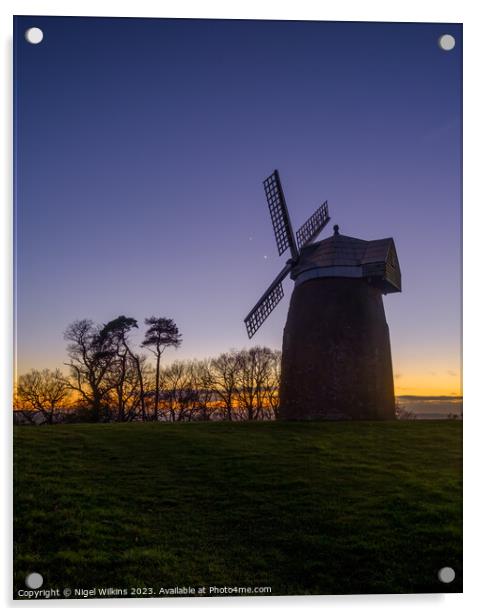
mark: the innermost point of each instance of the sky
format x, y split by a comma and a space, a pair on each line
140, 150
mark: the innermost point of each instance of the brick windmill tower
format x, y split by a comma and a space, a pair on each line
336, 360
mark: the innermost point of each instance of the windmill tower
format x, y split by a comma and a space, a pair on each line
336, 360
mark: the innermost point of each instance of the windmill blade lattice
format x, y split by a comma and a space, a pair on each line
268, 302
279, 215
315, 223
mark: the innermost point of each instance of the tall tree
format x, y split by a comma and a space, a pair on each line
160, 334
88, 363
114, 339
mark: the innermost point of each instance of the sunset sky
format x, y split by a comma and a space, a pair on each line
141, 146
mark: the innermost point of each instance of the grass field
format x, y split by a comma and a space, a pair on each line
305, 508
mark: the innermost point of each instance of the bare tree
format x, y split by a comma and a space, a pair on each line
113, 382
258, 383
225, 380
177, 394
255, 367
273, 385
42, 390
202, 382
88, 363
161, 334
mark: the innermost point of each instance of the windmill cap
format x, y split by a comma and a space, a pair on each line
343, 256
344, 250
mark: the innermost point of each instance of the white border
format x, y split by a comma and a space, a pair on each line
465, 11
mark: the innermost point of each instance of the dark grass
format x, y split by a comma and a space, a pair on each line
306, 508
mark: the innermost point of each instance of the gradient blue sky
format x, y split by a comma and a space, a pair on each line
141, 146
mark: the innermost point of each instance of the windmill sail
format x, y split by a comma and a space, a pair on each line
285, 239
268, 302
315, 223
283, 231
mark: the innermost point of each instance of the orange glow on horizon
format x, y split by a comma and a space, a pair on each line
428, 385
415, 380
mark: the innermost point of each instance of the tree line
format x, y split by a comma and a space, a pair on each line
110, 380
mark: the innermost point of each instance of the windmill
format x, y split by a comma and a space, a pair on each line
336, 359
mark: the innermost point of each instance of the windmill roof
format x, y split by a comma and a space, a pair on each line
342, 250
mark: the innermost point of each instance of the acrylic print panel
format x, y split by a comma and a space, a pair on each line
238, 314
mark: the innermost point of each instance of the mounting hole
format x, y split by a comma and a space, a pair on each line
446, 575
34, 35
446, 42
34, 581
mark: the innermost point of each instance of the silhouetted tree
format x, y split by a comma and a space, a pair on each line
178, 396
42, 390
225, 379
255, 367
161, 334
114, 340
113, 382
273, 384
202, 382
88, 365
